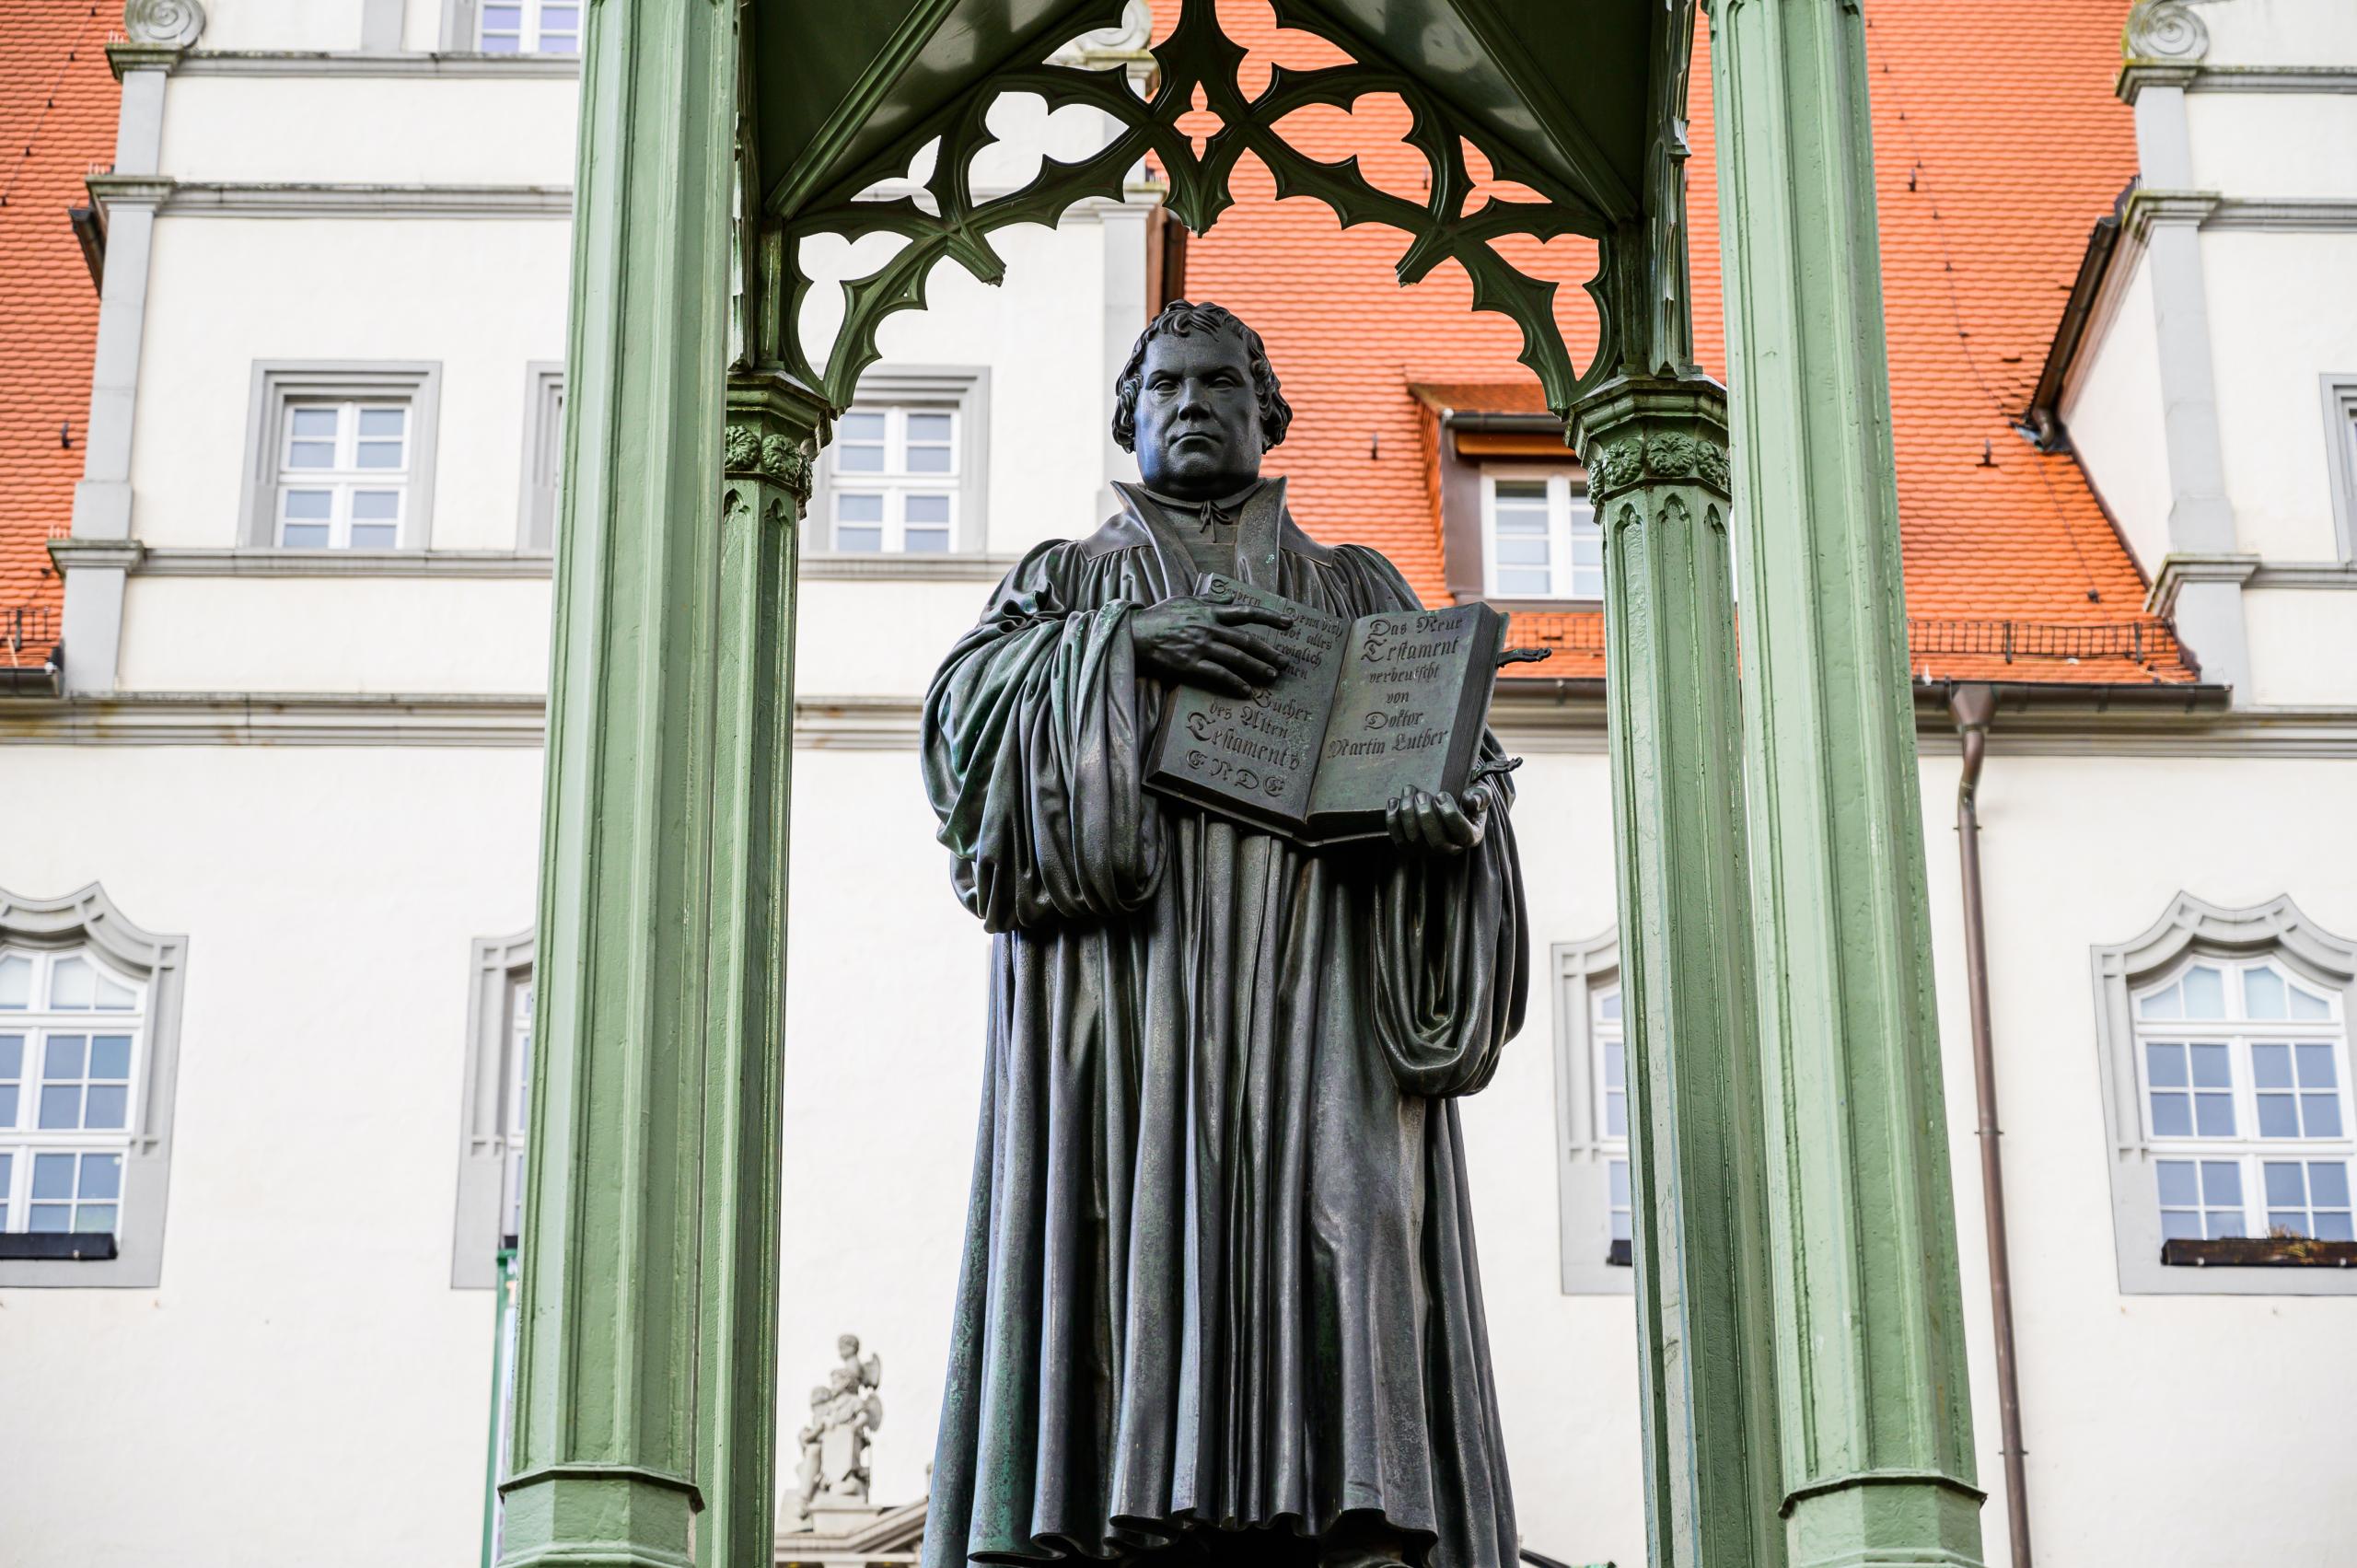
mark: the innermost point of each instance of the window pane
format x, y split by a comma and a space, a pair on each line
9, 1105
374, 536
1616, 1066
2167, 1002
1522, 490
925, 541
308, 505
50, 1217
2222, 1183
2179, 1190
12, 1056
922, 509
859, 459
94, 1218
854, 508
861, 425
2213, 1115
106, 1107
2284, 1186
375, 505
2262, 993
2307, 1005
502, 18
381, 454
73, 984
2329, 1184
383, 421
2210, 1067
928, 460
1523, 580
1617, 1181
102, 1176
2180, 1224
110, 1056
311, 455
1615, 1114
2205, 992
2321, 1114
2315, 1067
64, 1058
2223, 1225
2270, 1066
16, 981
2334, 1228
114, 996
2172, 1115
53, 1175
316, 421
1608, 1006
930, 429
2165, 1066
61, 1107
304, 536
2279, 1117
859, 539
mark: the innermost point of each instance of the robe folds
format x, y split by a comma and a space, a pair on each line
1219, 1271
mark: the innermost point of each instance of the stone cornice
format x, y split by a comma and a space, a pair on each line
313, 62
222, 199
2327, 213
129, 190
2135, 76
2146, 208
68, 554
181, 561
124, 58
2179, 570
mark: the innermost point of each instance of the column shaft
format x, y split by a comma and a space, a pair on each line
645, 1400
1874, 1418
1657, 473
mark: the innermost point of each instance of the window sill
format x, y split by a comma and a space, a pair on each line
267, 561
58, 1247
2259, 1252
1565, 606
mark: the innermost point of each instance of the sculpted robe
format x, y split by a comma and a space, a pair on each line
1220, 1267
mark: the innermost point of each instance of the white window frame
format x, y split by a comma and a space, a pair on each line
282, 385
2193, 929
87, 923
530, 38
344, 478
1585, 1151
2239, 1034
962, 391
490, 1145
543, 456
2339, 391
1569, 517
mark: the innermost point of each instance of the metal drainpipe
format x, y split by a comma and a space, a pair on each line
1973, 707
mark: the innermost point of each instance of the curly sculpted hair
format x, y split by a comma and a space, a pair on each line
1179, 319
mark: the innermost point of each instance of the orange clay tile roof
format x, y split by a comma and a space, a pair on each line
1988, 179
57, 114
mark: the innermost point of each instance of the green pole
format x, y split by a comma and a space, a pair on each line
1875, 1423
645, 1354
1656, 450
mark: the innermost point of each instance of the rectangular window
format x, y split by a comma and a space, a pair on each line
343, 475
343, 457
529, 27
2244, 1088
1592, 1108
543, 456
1541, 537
69, 1031
896, 480
493, 1110
904, 473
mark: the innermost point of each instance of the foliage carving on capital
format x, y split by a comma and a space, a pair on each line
773, 457
2164, 29
174, 24
1618, 467
1673, 455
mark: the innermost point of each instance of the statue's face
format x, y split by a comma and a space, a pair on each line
1197, 420
847, 1345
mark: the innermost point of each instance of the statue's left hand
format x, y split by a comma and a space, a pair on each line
1437, 824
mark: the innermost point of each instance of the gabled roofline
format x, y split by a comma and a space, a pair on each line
2042, 421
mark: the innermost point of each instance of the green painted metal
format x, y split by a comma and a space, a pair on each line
1656, 452
645, 1366
502, 1366
1875, 1421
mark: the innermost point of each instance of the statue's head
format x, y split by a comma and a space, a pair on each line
847, 1345
1198, 402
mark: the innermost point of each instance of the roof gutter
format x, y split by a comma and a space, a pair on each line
2040, 421
1501, 424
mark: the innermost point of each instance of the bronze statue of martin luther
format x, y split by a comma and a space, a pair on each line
1220, 1302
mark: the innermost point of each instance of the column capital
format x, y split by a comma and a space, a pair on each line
775, 428
1635, 428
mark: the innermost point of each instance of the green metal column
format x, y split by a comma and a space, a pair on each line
645, 1387
1875, 1422
1655, 451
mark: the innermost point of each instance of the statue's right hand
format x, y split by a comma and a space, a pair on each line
1193, 641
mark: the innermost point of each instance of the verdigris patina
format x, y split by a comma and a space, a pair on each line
1220, 1300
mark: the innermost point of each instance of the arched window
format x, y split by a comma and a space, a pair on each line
89, 1015
2227, 1066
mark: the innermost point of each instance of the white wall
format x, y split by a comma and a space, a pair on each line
2112, 409
304, 1382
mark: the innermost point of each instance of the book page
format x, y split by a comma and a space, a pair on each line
1255, 756
1405, 716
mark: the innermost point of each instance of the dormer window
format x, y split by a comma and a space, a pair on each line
1539, 536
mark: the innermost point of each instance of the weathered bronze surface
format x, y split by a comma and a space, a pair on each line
1220, 1298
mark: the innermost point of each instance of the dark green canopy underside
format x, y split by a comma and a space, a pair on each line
839, 83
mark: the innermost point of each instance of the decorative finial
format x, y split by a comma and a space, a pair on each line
175, 24
2166, 29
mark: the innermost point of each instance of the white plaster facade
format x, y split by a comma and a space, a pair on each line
326, 776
